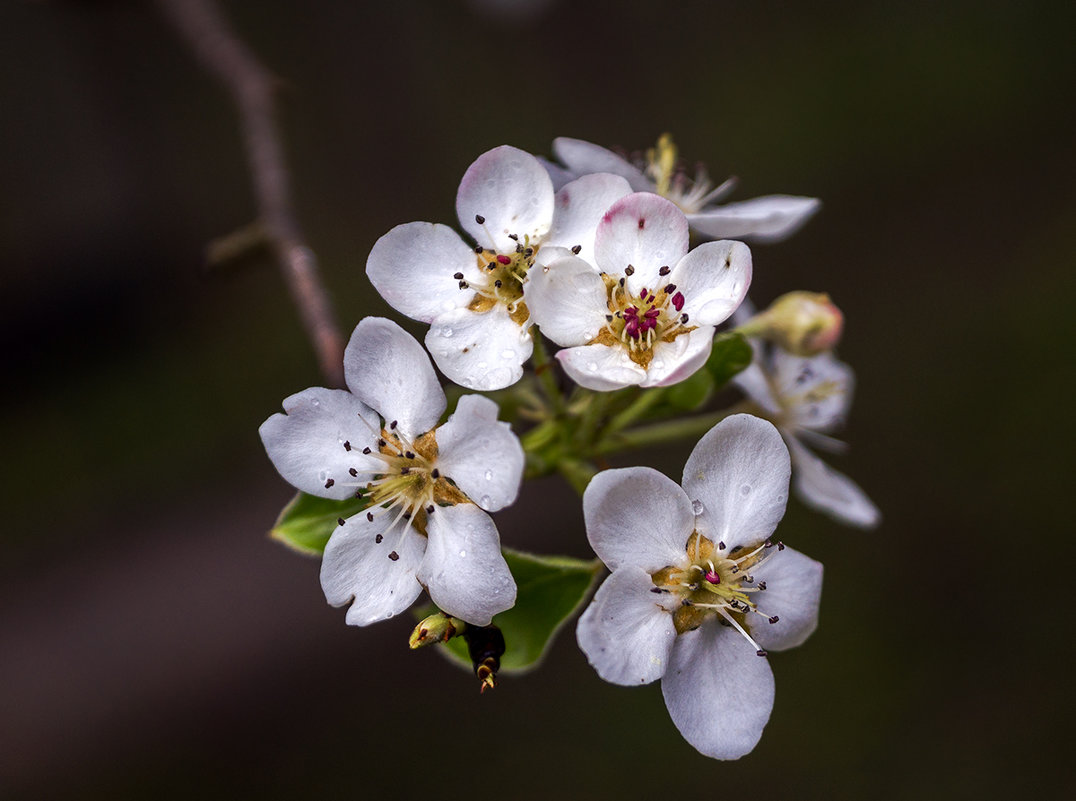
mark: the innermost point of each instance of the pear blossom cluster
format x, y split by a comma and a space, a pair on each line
633, 271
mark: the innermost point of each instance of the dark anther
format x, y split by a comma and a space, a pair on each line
378, 539
497, 283
429, 509
347, 445
767, 544
393, 424
608, 318
394, 556
353, 471
721, 546
409, 455
339, 521
514, 237
519, 248
365, 450
382, 443
629, 270
478, 218
358, 492
684, 319
658, 590
576, 249
664, 270
760, 652
477, 248
622, 282
670, 289
329, 483
774, 619
762, 585
737, 548
528, 252
458, 276
464, 285
780, 546
404, 471
435, 473
370, 516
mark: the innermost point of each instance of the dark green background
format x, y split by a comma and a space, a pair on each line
154, 643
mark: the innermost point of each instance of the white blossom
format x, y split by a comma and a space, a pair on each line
429, 487
698, 593
770, 218
807, 398
644, 311
473, 296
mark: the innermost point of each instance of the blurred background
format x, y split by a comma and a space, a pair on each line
155, 644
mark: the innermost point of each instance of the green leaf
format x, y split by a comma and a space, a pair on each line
306, 522
692, 392
731, 354
550, 590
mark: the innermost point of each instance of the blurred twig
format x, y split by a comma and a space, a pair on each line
206, 31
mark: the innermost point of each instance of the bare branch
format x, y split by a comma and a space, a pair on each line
201, 25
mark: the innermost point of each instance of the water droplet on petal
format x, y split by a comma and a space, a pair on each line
446, 332
781, 499
315, 402
745, 490
508, 353
463, 554
482, 365
657, 364
485, 501
489, 475
697, 507
592, 367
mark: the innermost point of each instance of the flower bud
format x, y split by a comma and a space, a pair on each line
438, 627
802, 323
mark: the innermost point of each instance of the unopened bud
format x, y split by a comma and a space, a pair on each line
802, 323
485, 645
438, 627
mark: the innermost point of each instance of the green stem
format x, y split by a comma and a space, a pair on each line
577, 472
669, 431
639, 407
543, 368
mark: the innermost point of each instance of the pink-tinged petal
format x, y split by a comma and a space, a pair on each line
674, 361
414, 267
637, 517
567, 301
480, 350
372, 567
718, 690
389, 371
763, 219
713, 278
579, 207
821, 487
583, 158
464, 570
816, 391
626, 633
511, 192
480, 453
602, 368
640, 234
737, 476
319, 439
793, 593
557, 174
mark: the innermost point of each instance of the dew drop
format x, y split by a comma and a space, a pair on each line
781, 499
697, 507
482, 365
446, 332
658, 364
508, 353
489, 475
463, 554
745, 490
315, 402
485, 501
592, 367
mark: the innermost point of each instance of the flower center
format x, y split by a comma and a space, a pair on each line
639, 322
503, 277
663, 167
716, 583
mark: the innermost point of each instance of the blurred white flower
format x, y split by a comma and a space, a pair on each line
770, 218
472, 297
698, 593
424, 525
644, 311
807, 398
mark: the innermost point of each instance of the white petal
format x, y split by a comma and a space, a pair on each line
511, 190
754, 383
464, 570
567, 301
579, 207
357, 566
821, 487
480, 454
480, 350
763, 219
306, 445
738, 477
583, 158
817, 391
625, 632
645, 232
713, 279
674, 361
718, 691
557, 174
601, 367
388, 370
793, 592
637, 517
413, 267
